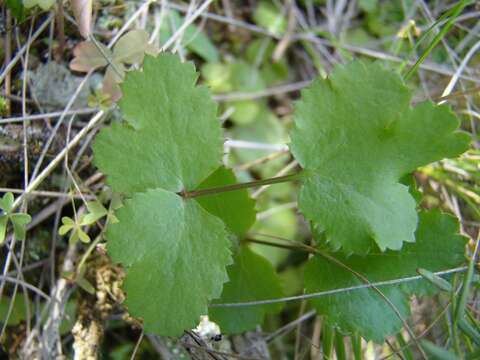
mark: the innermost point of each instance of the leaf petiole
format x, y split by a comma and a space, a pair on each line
250, 184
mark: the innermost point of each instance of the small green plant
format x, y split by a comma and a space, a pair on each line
18, 220
181, 232
75, 226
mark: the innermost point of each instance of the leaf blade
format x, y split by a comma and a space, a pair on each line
171, 129
439, 246
179, 260
357, 135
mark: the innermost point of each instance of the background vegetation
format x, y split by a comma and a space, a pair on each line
63, 298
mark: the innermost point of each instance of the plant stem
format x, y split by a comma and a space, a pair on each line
235, 187
281, 246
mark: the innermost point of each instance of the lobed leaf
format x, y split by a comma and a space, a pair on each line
175, 254
19, 222
438, 247
172, 139
357, 137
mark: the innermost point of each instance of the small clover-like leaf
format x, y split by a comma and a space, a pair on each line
6, 203
438, 247
75, 229
82, 235
356, 136
73, 236
252, 278
19, 222
95, 212
115, 204
68, 225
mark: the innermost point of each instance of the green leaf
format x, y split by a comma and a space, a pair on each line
438, 247
17, 9
172, 140
368, 5
82, 235
19, 310
245, 112
235, 208
175, 254
69, 318
115, 204
172, 249
252, 278
85, 285
96, 212
3, 227
74, 236
195, 39
270, 17
19, 222
357, 136
6, 203
68, 225
43, 4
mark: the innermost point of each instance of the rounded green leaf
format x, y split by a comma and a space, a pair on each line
172, 138
438, 247
357, 136
19, 222
18, 312
6, 203
175, 254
